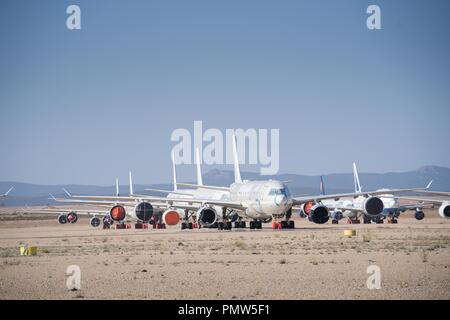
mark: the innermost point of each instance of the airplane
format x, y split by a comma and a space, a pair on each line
224, 219
444, 204
255, 200
121, 211
69, 216
6, 193
350, 208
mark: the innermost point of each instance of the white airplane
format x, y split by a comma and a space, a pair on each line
444, 204
6, 193
255, 200
224, 218
70, 216
351, 208
121, 211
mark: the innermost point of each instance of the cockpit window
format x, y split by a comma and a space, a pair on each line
284, 191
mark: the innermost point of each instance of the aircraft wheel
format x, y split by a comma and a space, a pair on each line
237, 225
242, 225
283, 224
252, 225
291, 224
229, 225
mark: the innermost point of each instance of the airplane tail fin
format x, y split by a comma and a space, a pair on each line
117, 188
322, 187
429, 185
356, 179
7, 192
131, 185
237, 173
67, 192
199, 170
174, 173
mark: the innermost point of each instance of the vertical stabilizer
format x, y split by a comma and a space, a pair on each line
174, 173
199, 169
322, 187
131, 185
356, 179
117, 187
237, 172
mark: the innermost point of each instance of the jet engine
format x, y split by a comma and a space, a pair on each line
319, 214
206, 216
72, 217
62, 218
117, 213
95, 222
171, 217
143, 211
373, 206
419, 215
306, 209
444, 210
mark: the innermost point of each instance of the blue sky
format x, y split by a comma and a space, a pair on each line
87, 105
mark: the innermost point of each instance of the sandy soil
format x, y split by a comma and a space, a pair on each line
310, 262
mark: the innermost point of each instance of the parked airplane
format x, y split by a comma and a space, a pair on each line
351, 208
6, 193
70, 216
223, 220
121, 210
444, 208
256, 200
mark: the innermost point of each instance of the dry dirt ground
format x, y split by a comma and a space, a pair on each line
310, 262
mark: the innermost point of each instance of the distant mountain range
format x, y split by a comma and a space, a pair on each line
34, 194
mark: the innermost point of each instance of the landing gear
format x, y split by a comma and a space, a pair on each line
256, 224
353, 221
279, 225
334, 221
392, 220
122, 225
188, 225
240, 225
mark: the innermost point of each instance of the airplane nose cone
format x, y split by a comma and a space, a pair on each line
281, 200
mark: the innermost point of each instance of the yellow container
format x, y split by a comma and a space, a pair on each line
28, 251
32, 251
350, 233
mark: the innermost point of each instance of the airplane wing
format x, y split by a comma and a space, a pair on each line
437, 193
419, 199
302, 200
59, 211
180, 192
203, 186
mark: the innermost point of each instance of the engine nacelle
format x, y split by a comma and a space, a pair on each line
319, 214
373, 206
171, 217
419, 214
95, 222
143, 211
207, 216
117, 213
444, 210
62, 218
72, 217
305, 209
